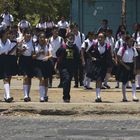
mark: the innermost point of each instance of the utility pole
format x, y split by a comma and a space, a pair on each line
123, 12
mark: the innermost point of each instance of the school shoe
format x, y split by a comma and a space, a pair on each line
46, 99
9, 100
138, 88
66, 100
124, 100
98, 100
128, 87
88, 88
75, 86
135, 99
116, 86
27, 99
107, 86
81, 84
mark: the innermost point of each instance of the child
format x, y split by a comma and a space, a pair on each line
41, 65
67, 61
127, 57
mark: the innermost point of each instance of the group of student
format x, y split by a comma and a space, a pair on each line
41, 51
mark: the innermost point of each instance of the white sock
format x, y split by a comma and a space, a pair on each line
42, 92
98, 92
124, 91
88, 82
106, 78
134, 90
85, 81
138, 78
29, 90
7, 90
25, 90
128, 84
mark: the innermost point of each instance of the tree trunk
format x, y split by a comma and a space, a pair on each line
124, 12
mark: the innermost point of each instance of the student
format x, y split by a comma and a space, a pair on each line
63, 26
24, 24
103, 27
86, 59
41, 65
42, 24
7, 18
111, 41
49, 27
25, 50
67, 62
5, 74
101, 56
127, 57
79, 73
56, 42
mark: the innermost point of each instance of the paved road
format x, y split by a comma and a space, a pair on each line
30, 128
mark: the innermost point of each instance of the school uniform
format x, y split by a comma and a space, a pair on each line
49, 27
13, 58
41, 68
4, 59
25, 59
23, 24
68, 58
41, 26
101, 56
56, 43
62, 28
7, 19
86, 46
128, 55
78, 76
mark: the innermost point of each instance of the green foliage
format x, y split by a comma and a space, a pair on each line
33, 9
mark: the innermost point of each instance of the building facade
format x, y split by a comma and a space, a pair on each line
89, 13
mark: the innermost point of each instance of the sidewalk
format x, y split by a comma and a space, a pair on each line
82, 101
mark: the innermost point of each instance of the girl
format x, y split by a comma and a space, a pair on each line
5, 73
41, 65
25, 50
101, 54
127, 57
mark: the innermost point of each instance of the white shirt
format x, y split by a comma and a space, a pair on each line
119, 44
101, 49
128, 55
138, 40
13, 44
7, 19
138, 35
47, 48
5, 48
111, 42
50, 24
29, 48
90, 43
41, 25
24, 24
63, 25
79, 40
56, 44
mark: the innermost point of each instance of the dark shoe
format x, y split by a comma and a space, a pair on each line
138, 88
9, 100
27, 99
128, 87
66, 100
98, 100
75, 86
88, 88
135, 100
117, 87
46, 99
81, 84
107, 86
124, 100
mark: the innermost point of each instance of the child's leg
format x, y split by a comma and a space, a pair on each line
42, 89
98, 89
124, 92
7, 88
